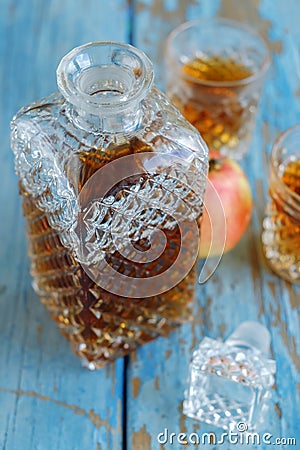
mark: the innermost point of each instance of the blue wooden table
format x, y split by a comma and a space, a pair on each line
47, 401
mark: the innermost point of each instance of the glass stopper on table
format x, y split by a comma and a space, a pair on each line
230, 382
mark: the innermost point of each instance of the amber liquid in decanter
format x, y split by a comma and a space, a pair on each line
100, 325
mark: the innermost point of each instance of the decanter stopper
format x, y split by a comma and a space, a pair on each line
229, 382
251, 334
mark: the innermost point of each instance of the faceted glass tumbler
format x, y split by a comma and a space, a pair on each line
230, 382
112, 180
281, 225
215, 70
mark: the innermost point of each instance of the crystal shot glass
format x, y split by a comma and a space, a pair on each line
215, 70
281, 225
229, 382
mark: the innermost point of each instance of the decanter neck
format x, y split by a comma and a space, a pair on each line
120, 122
104, 84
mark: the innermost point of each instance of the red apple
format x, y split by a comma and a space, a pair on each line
226, 221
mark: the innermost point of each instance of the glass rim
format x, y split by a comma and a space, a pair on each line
278, 144
234, 24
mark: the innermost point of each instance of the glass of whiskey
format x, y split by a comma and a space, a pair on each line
215, 72
281, 225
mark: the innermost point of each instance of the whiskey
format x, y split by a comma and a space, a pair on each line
210, 94
216, 69
281, 236
291, 176
102, 326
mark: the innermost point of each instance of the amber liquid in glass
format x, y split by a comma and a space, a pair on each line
102, 326
287, 226
215, 110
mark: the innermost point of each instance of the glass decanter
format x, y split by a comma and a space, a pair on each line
112, 180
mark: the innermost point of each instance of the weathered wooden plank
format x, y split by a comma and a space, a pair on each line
282, 300
243, 287
47, 401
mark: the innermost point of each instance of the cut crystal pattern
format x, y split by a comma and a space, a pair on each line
54, 159
228, 384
